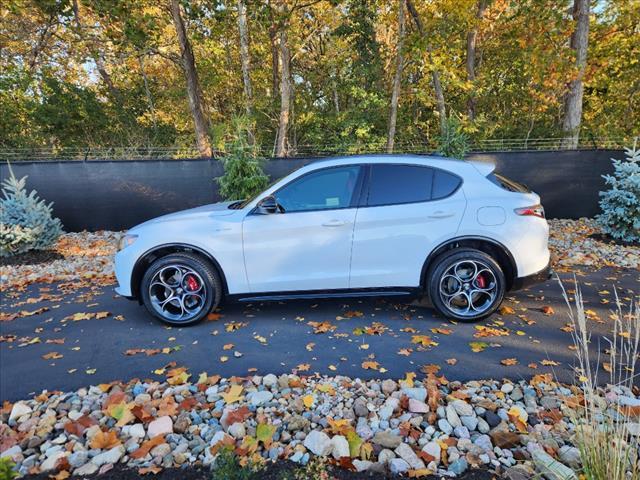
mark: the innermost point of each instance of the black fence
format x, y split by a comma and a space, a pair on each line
117, 195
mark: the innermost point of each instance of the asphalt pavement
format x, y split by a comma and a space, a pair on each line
64, 338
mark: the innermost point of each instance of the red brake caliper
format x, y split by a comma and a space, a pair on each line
192, 283
480, 281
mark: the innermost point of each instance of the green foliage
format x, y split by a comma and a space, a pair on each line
620, 204
227, 467
26, 221
454, 142
243, 175
114, 82
7, 471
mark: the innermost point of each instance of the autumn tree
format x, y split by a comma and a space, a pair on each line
573, 101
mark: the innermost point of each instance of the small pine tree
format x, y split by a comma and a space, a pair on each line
620, 205
243, 175
26, 221
454, 142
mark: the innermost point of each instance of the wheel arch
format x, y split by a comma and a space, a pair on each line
159, 251
495, 249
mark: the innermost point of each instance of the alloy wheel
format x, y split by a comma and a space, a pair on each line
468, 288
177, 292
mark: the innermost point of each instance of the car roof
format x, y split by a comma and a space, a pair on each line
451, 164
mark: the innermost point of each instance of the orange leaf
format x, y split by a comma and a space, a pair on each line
105, 440
509, 361
146, 447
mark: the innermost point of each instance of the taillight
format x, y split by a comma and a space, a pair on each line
534, 211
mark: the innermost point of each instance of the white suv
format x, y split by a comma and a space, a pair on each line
354, 226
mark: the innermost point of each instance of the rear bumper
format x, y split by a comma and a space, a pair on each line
539, 277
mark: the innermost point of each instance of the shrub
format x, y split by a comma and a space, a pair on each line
243, 175
7, 471
26, 222
620, 204
228, 466
603, 426
454, 142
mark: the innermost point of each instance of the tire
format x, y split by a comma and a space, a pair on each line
466, 284
193, 283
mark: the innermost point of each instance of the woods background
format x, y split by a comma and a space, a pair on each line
309, 76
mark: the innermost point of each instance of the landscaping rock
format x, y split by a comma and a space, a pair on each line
318, 443
160, 426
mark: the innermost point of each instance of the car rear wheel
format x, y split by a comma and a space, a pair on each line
466, 284
181, 289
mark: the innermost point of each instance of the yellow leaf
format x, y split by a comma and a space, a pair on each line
233, 395
423, 340
308, 400
509, 361
408, 379
224, 358
505, 310
228, 346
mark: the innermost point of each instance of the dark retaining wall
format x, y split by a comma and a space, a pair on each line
116, 195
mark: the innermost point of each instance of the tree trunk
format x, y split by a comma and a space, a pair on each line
194, 93
471, 58
285, 94
435, 75
275, 53
397, 80
573, 99
244, 56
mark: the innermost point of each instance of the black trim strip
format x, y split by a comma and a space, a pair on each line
316, 294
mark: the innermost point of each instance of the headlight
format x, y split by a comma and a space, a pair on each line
126, 240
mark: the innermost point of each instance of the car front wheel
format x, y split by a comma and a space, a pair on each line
466, 284
180, 289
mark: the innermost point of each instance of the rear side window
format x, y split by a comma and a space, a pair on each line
444, 184
507, 184
395, 184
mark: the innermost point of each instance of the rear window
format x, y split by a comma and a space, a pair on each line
444, 184
395, 184
507, 184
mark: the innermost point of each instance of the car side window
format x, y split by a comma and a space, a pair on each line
326, 189
444, 184
392, 184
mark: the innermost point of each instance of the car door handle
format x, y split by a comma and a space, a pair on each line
334, 223
440, 214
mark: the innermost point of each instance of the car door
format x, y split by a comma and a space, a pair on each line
307, 245
408, 210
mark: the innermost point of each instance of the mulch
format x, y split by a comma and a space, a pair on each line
34, 257
274, 471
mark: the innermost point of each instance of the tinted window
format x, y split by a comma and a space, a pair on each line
322, 190
393, 184
444, 184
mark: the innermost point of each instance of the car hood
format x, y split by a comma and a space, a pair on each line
205, 211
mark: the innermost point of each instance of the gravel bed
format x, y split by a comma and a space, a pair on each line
405, 427
571, 244
88, 256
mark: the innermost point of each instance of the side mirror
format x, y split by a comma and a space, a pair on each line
268, 205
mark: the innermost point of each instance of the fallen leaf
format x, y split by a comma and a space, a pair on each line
52, 356
233, 395
509, 361
105, 440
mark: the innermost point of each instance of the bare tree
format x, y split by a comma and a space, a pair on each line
244, 56
472, 37
397, 79
435, 74
196, 103
573, 99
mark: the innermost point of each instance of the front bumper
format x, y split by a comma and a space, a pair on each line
539, 277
